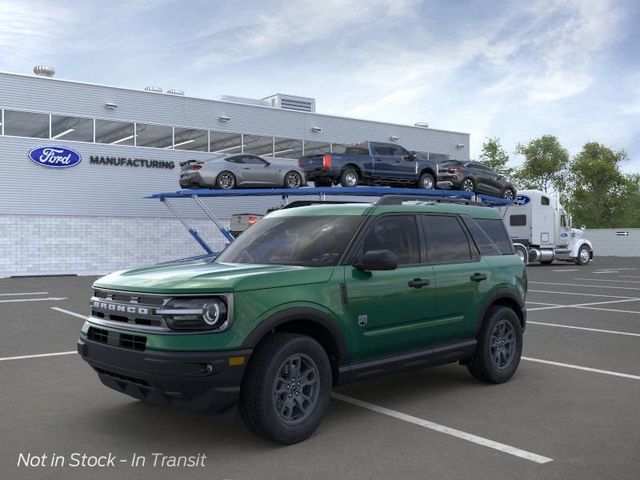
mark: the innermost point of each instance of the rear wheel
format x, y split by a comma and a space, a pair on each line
286, 389
499, 346
225, 180
293, 179
426, 181
349, 178
468, 185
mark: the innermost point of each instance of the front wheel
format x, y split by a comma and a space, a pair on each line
508, 194
293, 180
426, 181
499, 346
286, 389
225, 180
584, 255
522, 252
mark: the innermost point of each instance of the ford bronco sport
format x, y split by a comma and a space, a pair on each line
310, 298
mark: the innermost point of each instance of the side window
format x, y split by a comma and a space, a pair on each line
398, 151
237, 159
545, 201
383, 150
563, 221
397, 233
446, 239
518, 220
253, 160
494, 228
485, 245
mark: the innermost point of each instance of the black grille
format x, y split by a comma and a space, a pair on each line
98, 335
130, 308
133, 342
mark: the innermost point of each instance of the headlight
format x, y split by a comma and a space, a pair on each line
209, 314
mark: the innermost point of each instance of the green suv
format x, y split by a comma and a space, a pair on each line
310, 298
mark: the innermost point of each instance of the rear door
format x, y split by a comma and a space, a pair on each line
391, 311
462, 276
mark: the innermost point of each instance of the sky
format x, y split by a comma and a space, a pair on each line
509, 69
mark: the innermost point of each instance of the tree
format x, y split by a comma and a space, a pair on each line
495, 157
545, 163
600, 194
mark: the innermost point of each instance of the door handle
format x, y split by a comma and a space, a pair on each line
418, 283
478, 277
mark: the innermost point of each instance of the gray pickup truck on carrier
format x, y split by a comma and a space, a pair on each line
371, 163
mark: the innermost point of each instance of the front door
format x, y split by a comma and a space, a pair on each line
391, 311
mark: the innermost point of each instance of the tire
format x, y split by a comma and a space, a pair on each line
426, 181
522, 252
584, 255
292, 179
264, 404
468, 185
349, 178
225, 180
499, 346
508, 193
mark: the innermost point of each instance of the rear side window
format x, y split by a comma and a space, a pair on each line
446, 239
397, 233
494, 228
485, 245
518, 220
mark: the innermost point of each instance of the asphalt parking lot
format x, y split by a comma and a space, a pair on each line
571, 411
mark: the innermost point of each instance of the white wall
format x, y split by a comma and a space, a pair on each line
607, 243
41, 245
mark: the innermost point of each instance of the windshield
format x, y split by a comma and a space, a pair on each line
314, 241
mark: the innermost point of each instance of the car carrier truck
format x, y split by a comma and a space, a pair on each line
541, 230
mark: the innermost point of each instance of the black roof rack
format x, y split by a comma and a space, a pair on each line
399, 199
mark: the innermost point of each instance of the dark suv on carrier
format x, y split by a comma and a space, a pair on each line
475, 177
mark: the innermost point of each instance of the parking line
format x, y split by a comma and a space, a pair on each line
582, 294
73, 314
611, 281
578, 367
566, 270
610, 310
590, 286
533, 457
40, 355
48, 299
586, 305
23, 293
599, 330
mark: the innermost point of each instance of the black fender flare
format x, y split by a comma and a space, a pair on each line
305, 314
499, 294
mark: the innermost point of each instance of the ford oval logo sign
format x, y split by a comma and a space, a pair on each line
521, 200
55, 157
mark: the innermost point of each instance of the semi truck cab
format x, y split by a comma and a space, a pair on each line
542, 232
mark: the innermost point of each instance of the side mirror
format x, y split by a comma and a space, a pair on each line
377, 260
411, 156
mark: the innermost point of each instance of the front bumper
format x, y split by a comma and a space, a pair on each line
201, 382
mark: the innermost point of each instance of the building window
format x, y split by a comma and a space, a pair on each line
190, 139
316, 148
287, 148
157, 136
115, 133
225, 143
71, 128
258, 145
26, 124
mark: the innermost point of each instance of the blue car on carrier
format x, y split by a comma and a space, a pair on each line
371, 163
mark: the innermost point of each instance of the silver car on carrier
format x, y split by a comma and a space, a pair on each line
241, 170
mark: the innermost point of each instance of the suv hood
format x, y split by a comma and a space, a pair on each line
196, 278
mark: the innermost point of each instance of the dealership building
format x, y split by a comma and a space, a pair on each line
92, 218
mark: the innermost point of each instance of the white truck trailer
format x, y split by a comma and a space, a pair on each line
541, 230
